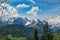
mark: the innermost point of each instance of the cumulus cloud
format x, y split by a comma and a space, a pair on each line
22, 6
33, 11
12, 12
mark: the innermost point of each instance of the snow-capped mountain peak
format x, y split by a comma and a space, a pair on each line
35, 22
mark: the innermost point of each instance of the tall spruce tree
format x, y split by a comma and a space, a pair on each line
47, 32
36, 37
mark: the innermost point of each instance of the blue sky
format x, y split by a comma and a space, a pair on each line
43, 8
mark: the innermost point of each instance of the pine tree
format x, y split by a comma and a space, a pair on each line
36, 33
47, 33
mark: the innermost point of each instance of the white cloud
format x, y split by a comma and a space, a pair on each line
22, 6
33, 11
32, 1
12, 12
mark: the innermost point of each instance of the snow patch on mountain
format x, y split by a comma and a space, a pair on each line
36, 23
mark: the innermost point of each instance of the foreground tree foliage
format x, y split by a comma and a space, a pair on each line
36, 35
47, 33
57, 36
10, 37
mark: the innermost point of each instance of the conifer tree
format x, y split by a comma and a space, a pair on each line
47, 32
36, 35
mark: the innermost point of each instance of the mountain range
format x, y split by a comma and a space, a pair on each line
11, 17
